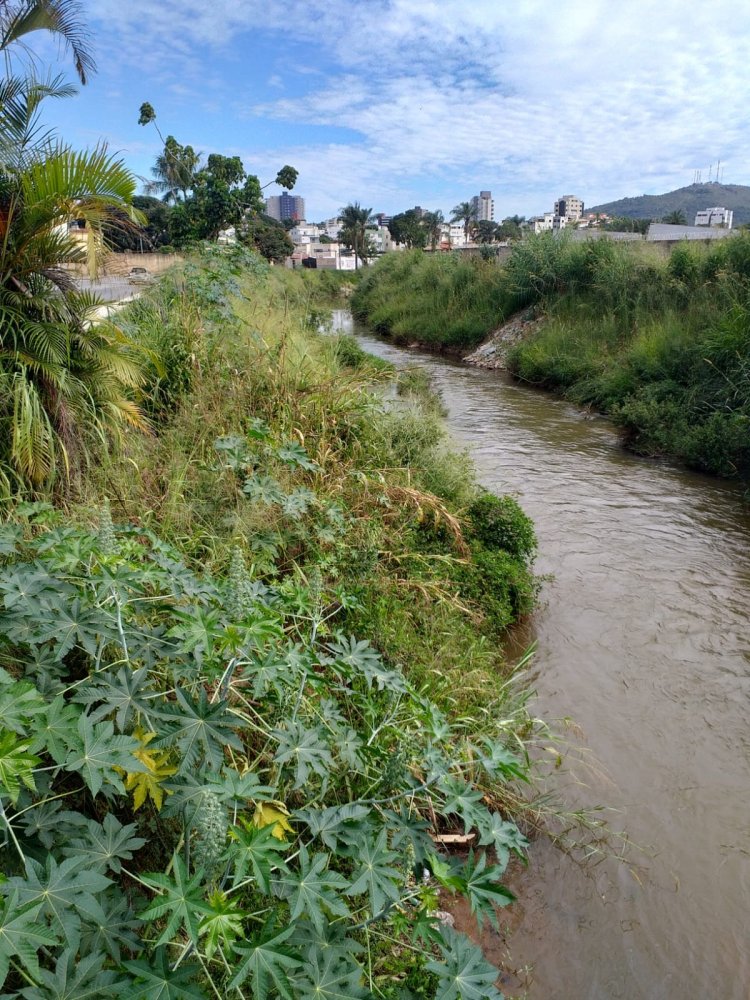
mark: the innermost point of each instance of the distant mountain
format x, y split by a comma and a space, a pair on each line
689, 199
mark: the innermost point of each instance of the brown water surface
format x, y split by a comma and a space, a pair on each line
644, 640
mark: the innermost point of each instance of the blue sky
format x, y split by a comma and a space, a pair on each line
394, 103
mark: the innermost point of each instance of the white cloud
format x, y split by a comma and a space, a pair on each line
596, 96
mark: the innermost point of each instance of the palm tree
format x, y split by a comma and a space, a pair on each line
174, 170
353, 233
19, 18
676, 218
61, 378
466, 213
433, 223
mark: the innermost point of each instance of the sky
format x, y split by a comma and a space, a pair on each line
394, 103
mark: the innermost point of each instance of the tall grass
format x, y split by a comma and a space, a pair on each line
437, 300
388, 535
660, 343
662, 346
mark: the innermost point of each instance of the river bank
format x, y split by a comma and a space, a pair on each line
659, 345
256, 652
642, 641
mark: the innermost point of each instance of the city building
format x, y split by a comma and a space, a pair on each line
304, 232
483, 207
543, 223
286, 206
569, 207
715, 217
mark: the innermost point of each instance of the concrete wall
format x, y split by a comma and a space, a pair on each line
121, 263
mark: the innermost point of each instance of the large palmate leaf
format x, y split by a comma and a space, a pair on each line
76, 978
303, 749
482, 885
22, 935
16, 765
292, 453
223, 925
464, 973
20, 703
66, 893
374, 873
119, 931
267, 963
98, 751
464, 800
338, 825
359, 657
255, 852
504, 837
56, 731
313, 890
73, 623
181, 901
158, 981
121, 694
329, 976
200, 730
198, 632
104, 846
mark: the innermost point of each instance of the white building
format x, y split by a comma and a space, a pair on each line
304, 232
721, 217
543, 223
332, 228
483, 206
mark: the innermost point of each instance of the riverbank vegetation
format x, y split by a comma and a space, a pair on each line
658, 343
251, 671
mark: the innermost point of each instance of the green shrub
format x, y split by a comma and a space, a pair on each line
500, 523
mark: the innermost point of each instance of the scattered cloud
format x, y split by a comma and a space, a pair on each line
438, 98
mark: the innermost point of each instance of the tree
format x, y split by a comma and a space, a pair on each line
675, 218
121, 234
61, 18
61, 378
355, 220
174, 171
487, 231
433, 225
510, 228
267, 236
466, 213
409, 228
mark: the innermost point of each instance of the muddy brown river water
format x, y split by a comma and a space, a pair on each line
643, 638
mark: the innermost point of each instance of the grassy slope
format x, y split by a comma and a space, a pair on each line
660, 345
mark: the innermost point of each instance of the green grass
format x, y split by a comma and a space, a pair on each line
437, 300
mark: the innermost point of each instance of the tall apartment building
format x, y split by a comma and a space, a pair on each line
483, 206
715, 217
286, 206
569, 207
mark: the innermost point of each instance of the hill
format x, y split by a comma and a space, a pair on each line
689, 199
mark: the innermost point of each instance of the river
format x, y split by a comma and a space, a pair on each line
643, 640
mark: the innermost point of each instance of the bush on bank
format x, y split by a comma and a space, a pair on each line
660, 344
243, 695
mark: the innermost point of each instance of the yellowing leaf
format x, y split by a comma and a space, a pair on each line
276, 813
148, 783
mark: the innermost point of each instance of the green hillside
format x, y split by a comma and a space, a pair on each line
689, 199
